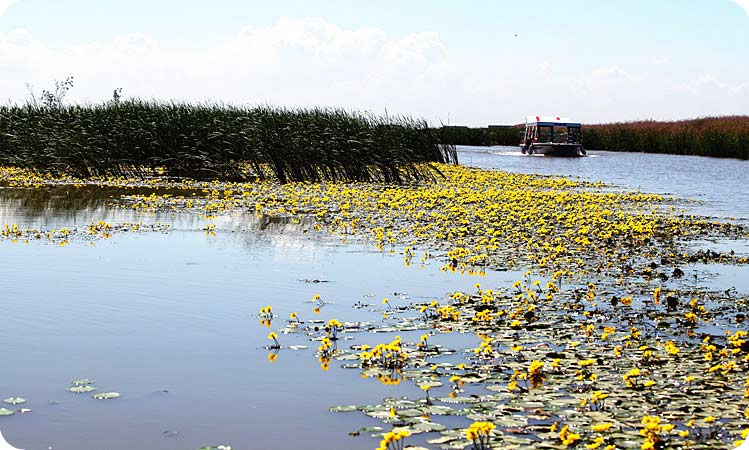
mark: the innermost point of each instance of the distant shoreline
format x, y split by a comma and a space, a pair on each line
722, 137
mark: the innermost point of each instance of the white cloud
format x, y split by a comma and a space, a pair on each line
744, 4
312, 62
293, 62
5, 4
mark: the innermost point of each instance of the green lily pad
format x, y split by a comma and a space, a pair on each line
443, 439
106, 395
14, 400
438, 410
6, 412
410, 413
82, 381
427, 427
216, 447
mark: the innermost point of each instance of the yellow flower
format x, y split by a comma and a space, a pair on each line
597, 442
601, 427
273, 335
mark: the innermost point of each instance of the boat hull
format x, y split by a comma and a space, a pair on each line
568, 150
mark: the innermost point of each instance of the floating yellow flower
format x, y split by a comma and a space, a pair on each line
601, 427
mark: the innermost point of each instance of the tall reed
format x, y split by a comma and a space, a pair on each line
709, 136
455, 135
213, 141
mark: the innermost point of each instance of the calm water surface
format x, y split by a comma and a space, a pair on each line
718, 185
167, 319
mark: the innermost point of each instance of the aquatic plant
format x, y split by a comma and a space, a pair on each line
274, 337
596, 359
215, 141
393, 440
479, 434
708, 136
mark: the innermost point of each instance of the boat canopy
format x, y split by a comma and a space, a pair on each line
551, 121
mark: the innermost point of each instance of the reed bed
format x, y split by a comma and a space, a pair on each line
496, 135
213, 141
726, 137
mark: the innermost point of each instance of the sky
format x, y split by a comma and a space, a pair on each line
469, 62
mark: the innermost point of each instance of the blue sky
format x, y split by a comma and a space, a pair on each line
460, 61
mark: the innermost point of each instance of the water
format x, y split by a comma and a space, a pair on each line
718, 185
167, 319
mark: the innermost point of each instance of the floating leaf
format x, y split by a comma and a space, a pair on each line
14, 400
6, 412
106, 395
81, 389
342, 408
82, 381
427, 427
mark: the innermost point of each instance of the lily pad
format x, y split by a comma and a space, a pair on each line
106, 395
348, 408
6, 412
14, 400
81, 389
427, 427
216, 447
82, 382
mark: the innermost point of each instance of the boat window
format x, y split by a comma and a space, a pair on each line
544, 134
573, 135
560, 135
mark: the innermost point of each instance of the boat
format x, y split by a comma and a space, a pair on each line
551, 136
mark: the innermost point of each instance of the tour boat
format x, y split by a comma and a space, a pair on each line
552, 136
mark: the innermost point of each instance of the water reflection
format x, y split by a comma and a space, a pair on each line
71, 207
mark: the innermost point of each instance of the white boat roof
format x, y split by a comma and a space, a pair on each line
551, 120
